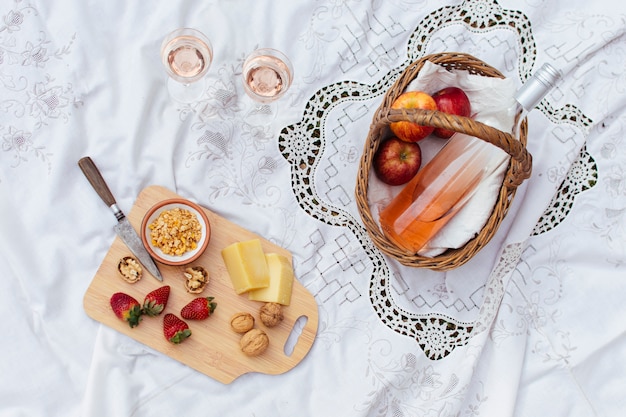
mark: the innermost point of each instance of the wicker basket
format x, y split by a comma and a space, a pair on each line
519, 167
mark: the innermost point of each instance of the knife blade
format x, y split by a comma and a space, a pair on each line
123, 228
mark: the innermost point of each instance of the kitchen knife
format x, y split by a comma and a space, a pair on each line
123, 228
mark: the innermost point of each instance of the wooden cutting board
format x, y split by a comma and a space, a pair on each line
213, 347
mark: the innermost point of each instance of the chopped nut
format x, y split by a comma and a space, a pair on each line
254, 342
271, 314
242, 322
130, 269
175, 231
196, 279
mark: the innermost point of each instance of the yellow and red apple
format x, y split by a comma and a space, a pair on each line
397, 161
409, 131
451, 100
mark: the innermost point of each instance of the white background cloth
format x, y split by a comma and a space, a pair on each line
84, 78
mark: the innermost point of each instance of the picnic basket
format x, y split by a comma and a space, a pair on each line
519, 168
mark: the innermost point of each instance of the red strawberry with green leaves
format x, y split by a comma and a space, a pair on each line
198, 309
155, 301
126, 308
174, 329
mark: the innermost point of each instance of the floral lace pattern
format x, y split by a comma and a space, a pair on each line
36, 97
303, 145
582, 175
397, 382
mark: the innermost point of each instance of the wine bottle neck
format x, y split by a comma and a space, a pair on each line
537, 87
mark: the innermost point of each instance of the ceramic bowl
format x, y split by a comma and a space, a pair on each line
170, 205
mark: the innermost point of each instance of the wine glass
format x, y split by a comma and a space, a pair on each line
267, 75
187, 55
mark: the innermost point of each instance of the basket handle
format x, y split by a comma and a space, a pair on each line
438, 119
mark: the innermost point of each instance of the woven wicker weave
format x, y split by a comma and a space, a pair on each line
519, 167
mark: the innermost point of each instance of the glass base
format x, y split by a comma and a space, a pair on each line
186, 93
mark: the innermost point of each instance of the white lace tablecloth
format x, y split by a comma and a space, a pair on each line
533, 325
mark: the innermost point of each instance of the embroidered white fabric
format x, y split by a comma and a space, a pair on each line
531, 326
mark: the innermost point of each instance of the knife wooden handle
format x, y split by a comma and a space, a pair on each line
95, 179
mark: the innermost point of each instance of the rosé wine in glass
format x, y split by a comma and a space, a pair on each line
186, 55
267, 74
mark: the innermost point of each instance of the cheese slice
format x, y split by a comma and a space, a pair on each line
281, 281
246, 265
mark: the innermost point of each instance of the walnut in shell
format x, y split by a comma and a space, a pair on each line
130, 269
271, 314
242, 322
196, 279
254, 342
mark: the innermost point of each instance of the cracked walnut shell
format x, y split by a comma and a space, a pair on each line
196, 279
242, 322
130, 269
271, 314
254, 342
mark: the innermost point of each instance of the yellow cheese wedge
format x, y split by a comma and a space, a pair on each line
281, 281
246, 265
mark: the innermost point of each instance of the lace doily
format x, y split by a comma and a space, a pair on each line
583, 174
304, 144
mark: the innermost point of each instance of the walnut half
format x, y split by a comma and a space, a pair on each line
130, 269
196, 278
254, 342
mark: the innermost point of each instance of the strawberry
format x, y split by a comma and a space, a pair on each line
174, 329
155, 301
198, 309
126, 308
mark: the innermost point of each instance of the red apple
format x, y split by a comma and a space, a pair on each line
409, 131
397, 161
451, 100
